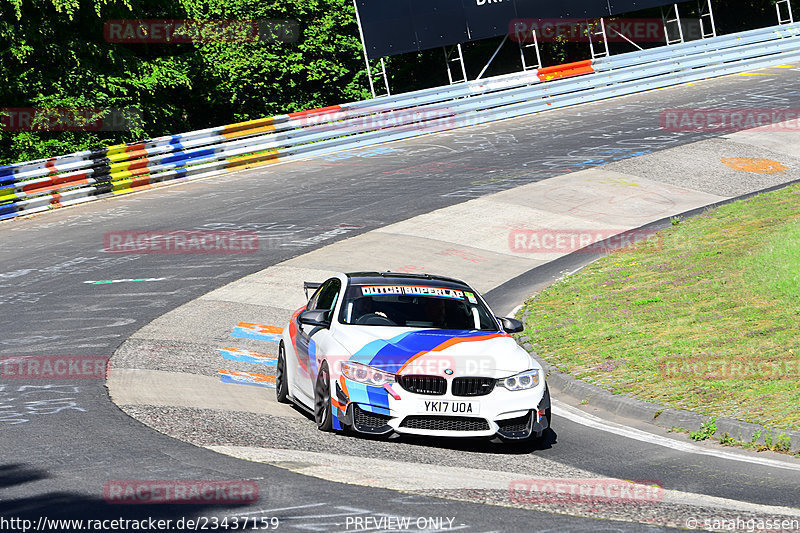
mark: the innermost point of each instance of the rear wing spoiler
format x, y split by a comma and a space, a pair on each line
310, 285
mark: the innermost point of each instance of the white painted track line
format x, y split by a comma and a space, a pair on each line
585, 419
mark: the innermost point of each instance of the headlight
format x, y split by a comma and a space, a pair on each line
522, 381
366, 374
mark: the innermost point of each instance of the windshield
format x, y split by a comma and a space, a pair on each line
415, 307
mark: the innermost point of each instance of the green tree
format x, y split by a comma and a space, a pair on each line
57, 57
323, 67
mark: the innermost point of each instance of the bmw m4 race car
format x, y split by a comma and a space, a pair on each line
382, 353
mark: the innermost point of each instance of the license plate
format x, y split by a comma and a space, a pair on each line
449, 407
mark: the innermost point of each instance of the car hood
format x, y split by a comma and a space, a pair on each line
435, 352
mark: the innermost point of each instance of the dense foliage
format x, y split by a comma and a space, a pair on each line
54, 55
58, 57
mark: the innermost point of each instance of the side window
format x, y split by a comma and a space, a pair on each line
326, 296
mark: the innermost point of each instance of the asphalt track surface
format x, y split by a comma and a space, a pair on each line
62, 440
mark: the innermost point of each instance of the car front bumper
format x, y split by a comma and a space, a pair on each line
509, 415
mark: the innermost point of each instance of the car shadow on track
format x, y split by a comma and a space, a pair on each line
481, 445
494, 446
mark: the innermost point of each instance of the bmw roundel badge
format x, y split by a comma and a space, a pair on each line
448, 371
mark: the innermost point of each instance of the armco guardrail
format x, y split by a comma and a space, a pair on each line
37, 186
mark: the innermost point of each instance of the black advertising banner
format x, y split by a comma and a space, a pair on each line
487, 19
438, 23
388, 27
571, 9
393, 27
626, 6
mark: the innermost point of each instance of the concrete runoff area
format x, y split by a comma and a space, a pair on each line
470, 241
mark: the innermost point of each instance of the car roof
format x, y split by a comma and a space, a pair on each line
400, 278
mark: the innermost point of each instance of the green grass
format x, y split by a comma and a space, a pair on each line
706, 431
705, 317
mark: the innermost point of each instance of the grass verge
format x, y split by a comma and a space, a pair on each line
704, 317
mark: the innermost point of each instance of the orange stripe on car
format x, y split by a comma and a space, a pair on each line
452, 342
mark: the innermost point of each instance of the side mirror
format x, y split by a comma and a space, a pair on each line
511, 325
317, 317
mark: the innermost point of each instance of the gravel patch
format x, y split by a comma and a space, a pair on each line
224, 428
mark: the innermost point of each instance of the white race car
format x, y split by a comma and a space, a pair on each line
383, 353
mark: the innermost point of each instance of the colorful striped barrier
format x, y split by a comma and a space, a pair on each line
35, 186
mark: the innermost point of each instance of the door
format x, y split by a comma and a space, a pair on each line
308, 337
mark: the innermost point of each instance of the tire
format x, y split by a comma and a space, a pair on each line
281, 378
323, 414
547, 413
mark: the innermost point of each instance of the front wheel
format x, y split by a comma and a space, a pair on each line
281, 379
322, 400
